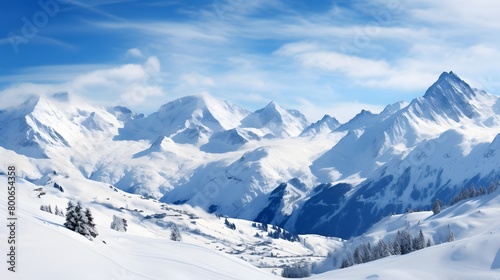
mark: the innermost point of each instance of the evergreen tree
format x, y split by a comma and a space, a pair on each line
436, 207
296, 271
472, 192
175, 234
429, 243
451, 235
79, 221
357, 256
119, 224
366, 253
419, 241
482, 191
71, 217
396, 247
382, 250
492, 188
90, 223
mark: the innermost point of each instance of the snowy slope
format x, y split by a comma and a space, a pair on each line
475, 253
208, 250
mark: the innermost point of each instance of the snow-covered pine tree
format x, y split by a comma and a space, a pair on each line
119, 224
472, 192
175, 234
357, 256
71, 217
436, 207
297, 270
79, 221
382, 250
396, 247
419, 241
451, 234
492, 188
90, 223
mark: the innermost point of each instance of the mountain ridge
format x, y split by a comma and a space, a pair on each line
218, 156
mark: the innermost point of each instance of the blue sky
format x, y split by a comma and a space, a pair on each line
320, 57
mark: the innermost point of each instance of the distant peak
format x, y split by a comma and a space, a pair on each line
273, 104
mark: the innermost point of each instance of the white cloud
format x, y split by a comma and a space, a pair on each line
130, 84
135, 52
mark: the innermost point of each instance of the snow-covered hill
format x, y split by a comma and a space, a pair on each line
475, 253
208, 250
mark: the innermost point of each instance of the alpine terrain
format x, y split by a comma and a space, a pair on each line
205, 189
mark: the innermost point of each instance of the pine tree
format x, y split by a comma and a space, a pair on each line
381, 250
71, 217
79, 221
175, 234
396, 247
90, 223
451, 235
482, 191
472, 192
119, 224
429, 244
492, 188
436, 207
357, 257
419, 241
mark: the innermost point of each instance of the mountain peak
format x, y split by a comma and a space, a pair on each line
448, 85
449, 96
273, 106
276, 121
327, 124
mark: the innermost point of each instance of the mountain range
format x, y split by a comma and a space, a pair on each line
272, 165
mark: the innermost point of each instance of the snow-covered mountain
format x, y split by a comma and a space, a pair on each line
275, 121
191, 119
326, 125
270, 165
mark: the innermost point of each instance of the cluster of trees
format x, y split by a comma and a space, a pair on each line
229, 224
276, 232
48, 208
119, 224
297, 271
402, 244
80, 220
472, 192
260, 226
279, 233
465, 193
59, 187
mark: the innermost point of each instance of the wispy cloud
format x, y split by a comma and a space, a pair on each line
353, 53
129, 84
